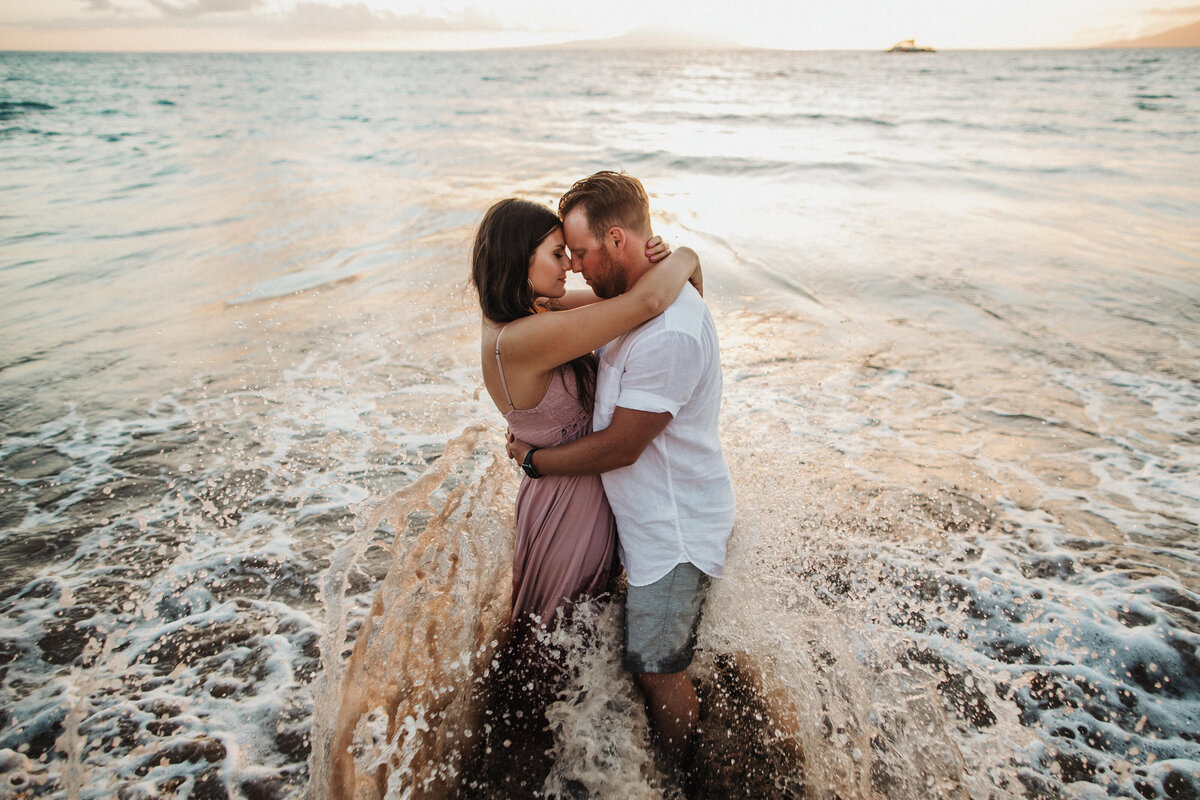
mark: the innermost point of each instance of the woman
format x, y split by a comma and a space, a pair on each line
539, 370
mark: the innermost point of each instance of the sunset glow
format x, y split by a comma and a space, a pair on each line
269, 25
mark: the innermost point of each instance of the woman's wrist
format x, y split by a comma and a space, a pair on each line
527, 464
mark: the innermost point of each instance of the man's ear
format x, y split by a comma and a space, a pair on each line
616, 238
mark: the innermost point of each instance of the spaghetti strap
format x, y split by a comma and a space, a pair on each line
500, 367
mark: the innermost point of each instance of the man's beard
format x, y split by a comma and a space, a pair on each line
609, 280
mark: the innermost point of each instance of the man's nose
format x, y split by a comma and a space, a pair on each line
576, 266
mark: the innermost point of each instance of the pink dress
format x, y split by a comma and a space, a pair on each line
566, 537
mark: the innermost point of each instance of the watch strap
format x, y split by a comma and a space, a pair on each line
528, 466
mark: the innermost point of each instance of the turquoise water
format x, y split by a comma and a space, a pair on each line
960, 317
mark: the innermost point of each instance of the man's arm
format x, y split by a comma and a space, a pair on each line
618, 445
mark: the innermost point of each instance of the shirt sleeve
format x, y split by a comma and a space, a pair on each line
661, 373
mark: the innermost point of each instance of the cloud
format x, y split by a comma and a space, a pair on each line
304, 17
116, 8
1183, 10
196, 8
467, 20
356, 17
323, 17
174, 9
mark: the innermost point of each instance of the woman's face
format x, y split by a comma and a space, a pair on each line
548, 266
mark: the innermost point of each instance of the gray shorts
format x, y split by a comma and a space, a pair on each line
661, 620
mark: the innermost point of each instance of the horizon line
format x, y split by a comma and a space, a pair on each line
574, 45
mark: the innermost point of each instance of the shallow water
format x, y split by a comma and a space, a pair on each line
958, 305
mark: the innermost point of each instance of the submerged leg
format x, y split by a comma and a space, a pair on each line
674, 710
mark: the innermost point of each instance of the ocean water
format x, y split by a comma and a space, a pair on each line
254, 509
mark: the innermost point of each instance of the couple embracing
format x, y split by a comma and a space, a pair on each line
612, 398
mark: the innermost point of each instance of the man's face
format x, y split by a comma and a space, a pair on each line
590, 257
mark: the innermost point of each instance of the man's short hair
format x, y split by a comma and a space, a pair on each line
609, 199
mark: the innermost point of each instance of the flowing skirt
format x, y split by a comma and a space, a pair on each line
565, 547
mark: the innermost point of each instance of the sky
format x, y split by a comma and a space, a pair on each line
266, 25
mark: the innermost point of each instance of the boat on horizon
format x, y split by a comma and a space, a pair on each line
909, 46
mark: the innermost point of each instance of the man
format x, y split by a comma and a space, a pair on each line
658, 397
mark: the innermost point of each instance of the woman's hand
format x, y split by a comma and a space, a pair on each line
517, 449
659, 287
657, 249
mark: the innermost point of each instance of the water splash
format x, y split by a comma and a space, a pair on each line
391, 721
799, 702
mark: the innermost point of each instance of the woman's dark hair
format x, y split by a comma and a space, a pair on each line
506, 241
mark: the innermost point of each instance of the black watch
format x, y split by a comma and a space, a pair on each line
528, 466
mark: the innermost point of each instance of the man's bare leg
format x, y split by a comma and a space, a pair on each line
674, 709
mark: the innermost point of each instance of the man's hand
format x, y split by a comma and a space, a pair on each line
619, 445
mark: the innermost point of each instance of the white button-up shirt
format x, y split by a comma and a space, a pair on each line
675, 503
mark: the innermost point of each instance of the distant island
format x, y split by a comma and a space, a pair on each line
1183, 36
